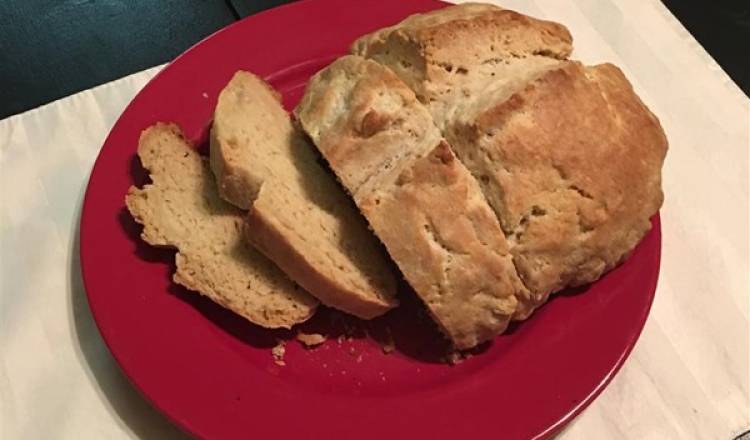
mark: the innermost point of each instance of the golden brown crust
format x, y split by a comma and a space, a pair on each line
571, 164
461, 51
461, 34
421, 202
568, 157
364, 120
182, 209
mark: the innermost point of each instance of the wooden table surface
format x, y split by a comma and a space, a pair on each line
53, 48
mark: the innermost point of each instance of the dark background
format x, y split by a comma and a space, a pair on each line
53, 48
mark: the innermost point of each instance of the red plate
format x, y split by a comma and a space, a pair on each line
212, 372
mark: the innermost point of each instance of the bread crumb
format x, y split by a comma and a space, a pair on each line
388, 345
311, 340
389, 348
278, 353
456, 357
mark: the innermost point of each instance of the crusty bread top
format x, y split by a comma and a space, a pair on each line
448, 31
182, 209
460, 51
423, 204
571, 164
299, 216
366, 122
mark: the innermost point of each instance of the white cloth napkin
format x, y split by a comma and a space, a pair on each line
688, 377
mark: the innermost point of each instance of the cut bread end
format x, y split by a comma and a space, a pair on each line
299, 216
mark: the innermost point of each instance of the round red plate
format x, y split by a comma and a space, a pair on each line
213, 373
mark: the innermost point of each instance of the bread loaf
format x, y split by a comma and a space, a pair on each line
567, 156
181, 209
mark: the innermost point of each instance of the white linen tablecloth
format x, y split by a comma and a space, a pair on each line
688, 377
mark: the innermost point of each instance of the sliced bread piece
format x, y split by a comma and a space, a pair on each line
299, 216
182, 209
465, 51
422, 202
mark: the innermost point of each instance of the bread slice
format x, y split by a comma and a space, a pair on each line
299, 216
464, 52
182, 209
422, 202
571, 164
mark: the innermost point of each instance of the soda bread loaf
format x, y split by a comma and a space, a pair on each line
181, 209
495, 171
421, 202
299, 216
567, 156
